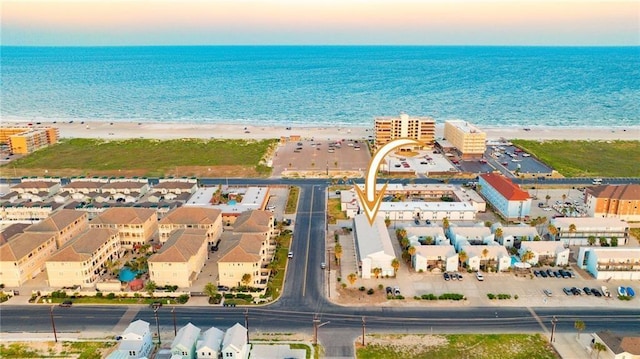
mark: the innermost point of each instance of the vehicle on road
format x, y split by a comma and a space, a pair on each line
323, 265
66, 304
479, 276
547, 292
290, 255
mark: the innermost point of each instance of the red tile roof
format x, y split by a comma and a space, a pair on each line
505, 187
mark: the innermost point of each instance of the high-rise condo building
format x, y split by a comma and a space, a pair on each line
388, 129
467, 138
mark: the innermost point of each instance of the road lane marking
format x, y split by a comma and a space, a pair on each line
306, 256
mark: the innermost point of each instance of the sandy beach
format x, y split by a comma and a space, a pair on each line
157, 130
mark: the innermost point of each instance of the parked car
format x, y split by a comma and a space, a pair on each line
389, 291
587, 290
459, 276
547, 292
66, 304
567, 291
536, 273
223, 288
446, 276
155, 305
596, 292
479, 276
605, 291
396, 290
543, 274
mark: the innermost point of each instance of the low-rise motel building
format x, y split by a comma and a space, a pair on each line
469, 141
509, 200
605, 263
577, 231
82, 261
23, 256
135, 226
373, 247
387, 129
25, 140
209, 219
180, 259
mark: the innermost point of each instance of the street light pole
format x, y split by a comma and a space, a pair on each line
329, 273
175, 329
155, 313
553, 328
53, 324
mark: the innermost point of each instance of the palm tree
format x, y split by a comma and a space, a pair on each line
485, 254
603, 242
547, 198
591, 240
579, 325
553, 231
377, 271
499, 233
614, 241
246, 279
428, 240
445, 223
412, 251
401, 233
395, 263
113, 266
599, 347
150, 287
572, 228
338, 252
462, 257
404, 242
352, 277
527, 256
537, 238
210, 289
387, 222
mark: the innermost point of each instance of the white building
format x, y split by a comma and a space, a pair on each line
586, 227
461, 236
611, 263
514, 234
490, 255
546, 252
135, 343
408, 211
184, 345
373, 246
428, 258
426, 234
234, 344
349, 203
210, 345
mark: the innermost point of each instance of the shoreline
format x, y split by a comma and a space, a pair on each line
119, 130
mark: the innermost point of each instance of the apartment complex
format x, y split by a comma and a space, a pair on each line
467, 139
192, 217
610, 263
65, 224
249, 256
135, 226
621, 201
25, 140
180, 259
23, 256
511, 202
82, 260
577, 231
388, 129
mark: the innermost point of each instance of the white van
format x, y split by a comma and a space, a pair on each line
479, 276
597, 181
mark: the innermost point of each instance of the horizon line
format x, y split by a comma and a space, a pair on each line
324, 45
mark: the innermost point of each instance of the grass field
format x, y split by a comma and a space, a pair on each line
292, 200
79, 350
334, 212
145, 157
587, 158
472, 346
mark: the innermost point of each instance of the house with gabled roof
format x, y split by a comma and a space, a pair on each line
250, 253
464, 235
176, 186
125, 187
545, 252
12, 230
494, 256
511, 235
136, 342
618, 346
210, 346
84, 186
208, 219
255, 221
184, 345
23, 256
439, 257
180, 259
235, 344
36, 186
65, 223
82, 260
136, 226
28, 211
507, 198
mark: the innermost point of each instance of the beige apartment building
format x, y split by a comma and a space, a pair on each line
135, 226
209, 219
65, 224
23, 257
387, 129
82, 260
619, 201
259, 222
180, 259
250, 255
469, 140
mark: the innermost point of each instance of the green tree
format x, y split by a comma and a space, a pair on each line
614, 241
428, 240
547, 198
527, 256
210, 289
404, 242
150, 287
377, 271
485, 254
387, 222
401, 233
591, 240
352, 277
499, 233
246, 279
553, 231
338, 252
412, 251
603, 242
572, 228
580, 326
462, 257
445, 223
599, 347
395, 263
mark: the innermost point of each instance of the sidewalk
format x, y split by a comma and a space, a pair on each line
570, 347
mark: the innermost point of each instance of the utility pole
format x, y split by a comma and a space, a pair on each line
329, 273
316, 325
53, 324
553, 328
155, 313
246, 322
363, 326
175, 329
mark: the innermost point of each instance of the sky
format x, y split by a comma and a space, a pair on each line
320, 22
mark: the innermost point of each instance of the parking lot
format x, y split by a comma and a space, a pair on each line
321, 155
512, 158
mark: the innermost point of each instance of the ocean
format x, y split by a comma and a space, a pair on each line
323, 85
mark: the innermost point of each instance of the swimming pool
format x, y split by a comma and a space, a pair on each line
127, 275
